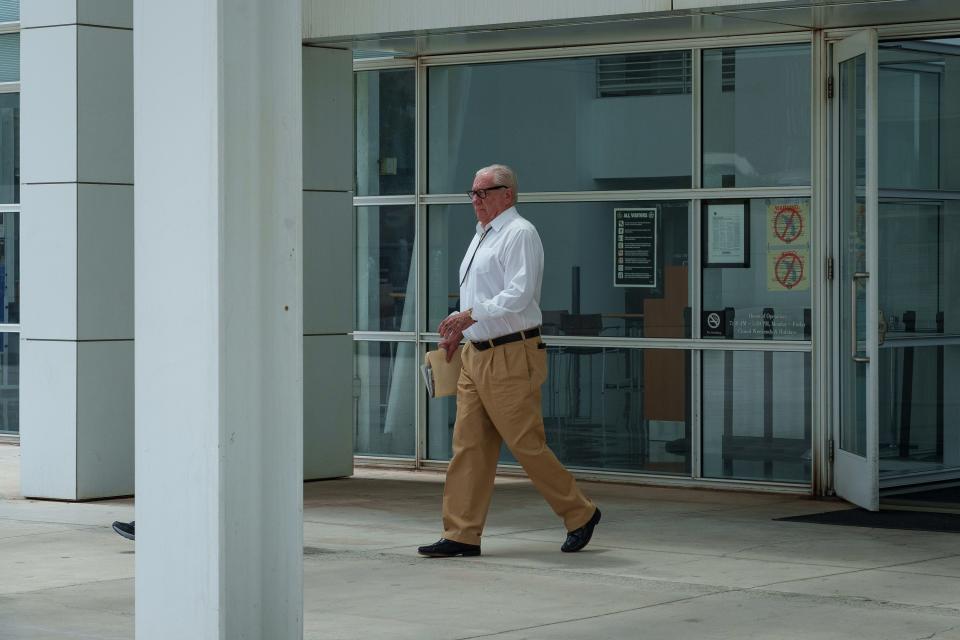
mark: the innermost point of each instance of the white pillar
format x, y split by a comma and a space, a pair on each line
219, 388
76, 386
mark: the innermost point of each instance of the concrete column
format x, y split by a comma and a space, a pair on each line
76, 389
219, 319
328, 250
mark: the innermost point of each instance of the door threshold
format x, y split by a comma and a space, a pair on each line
919, 482
900, 499
929, 507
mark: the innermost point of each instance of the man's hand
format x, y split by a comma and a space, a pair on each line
450, 344
456, 324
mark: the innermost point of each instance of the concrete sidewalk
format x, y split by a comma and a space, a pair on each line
664, 563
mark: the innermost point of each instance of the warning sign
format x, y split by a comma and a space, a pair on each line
787, 270
788, 246
788, 224
714, 324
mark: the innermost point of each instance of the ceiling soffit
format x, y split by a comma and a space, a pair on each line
693, 22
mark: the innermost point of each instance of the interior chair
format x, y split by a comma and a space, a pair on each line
584, 324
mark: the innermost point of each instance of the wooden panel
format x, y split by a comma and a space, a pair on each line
664, 372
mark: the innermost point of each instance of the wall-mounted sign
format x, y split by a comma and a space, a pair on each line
714, 324
635, 247
788, 246
787, 269
766, 323
788, 224
726, 234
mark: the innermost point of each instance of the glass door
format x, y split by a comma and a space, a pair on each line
918, 248
856, 455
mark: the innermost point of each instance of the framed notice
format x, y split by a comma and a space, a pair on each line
726, 234
635, 247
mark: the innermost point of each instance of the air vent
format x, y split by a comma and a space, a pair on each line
728, 70
644, 74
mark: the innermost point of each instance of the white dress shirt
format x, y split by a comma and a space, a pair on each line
503, 284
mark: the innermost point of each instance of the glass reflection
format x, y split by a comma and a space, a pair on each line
756, 415
9, 10
604, 408
580, 294
604, 123
918, 92
386, 122
9, 268
919, 419
852, 100
9, 57
9, 148
9, 383
384, 409
918, 241
756, 116
386, 278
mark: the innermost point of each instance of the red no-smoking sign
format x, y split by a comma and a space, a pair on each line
788, 223
788, 269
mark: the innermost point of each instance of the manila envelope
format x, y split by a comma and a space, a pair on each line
445, 374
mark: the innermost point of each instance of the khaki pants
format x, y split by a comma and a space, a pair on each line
498, 399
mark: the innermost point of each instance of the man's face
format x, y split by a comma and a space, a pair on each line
496, 202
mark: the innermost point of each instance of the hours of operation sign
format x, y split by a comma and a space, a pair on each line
635, 247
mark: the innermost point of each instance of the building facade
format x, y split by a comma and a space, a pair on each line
749, 212
237, 243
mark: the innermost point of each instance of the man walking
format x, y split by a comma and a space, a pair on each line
504, 364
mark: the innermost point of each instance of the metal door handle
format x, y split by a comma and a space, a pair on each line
859, 275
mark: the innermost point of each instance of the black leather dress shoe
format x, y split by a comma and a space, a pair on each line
444, 548
578, 538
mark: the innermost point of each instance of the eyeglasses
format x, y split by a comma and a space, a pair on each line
482, 193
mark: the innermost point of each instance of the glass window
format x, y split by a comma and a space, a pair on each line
9, 10
9, 148
756, 116
9, 268
596, 123
919, 413
919, 88
9, 383
756, 415
918, 241
9, 57
385, 415
770, 297
386, 122
603, 408
581, 292
386, 277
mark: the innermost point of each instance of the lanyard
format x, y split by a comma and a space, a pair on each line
469, 264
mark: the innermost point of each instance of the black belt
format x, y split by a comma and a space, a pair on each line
510, 337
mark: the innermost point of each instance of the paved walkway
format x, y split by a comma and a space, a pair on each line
665, 563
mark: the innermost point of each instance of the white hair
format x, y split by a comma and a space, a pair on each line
502, 174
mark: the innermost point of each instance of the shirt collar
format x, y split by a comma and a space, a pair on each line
498, 223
